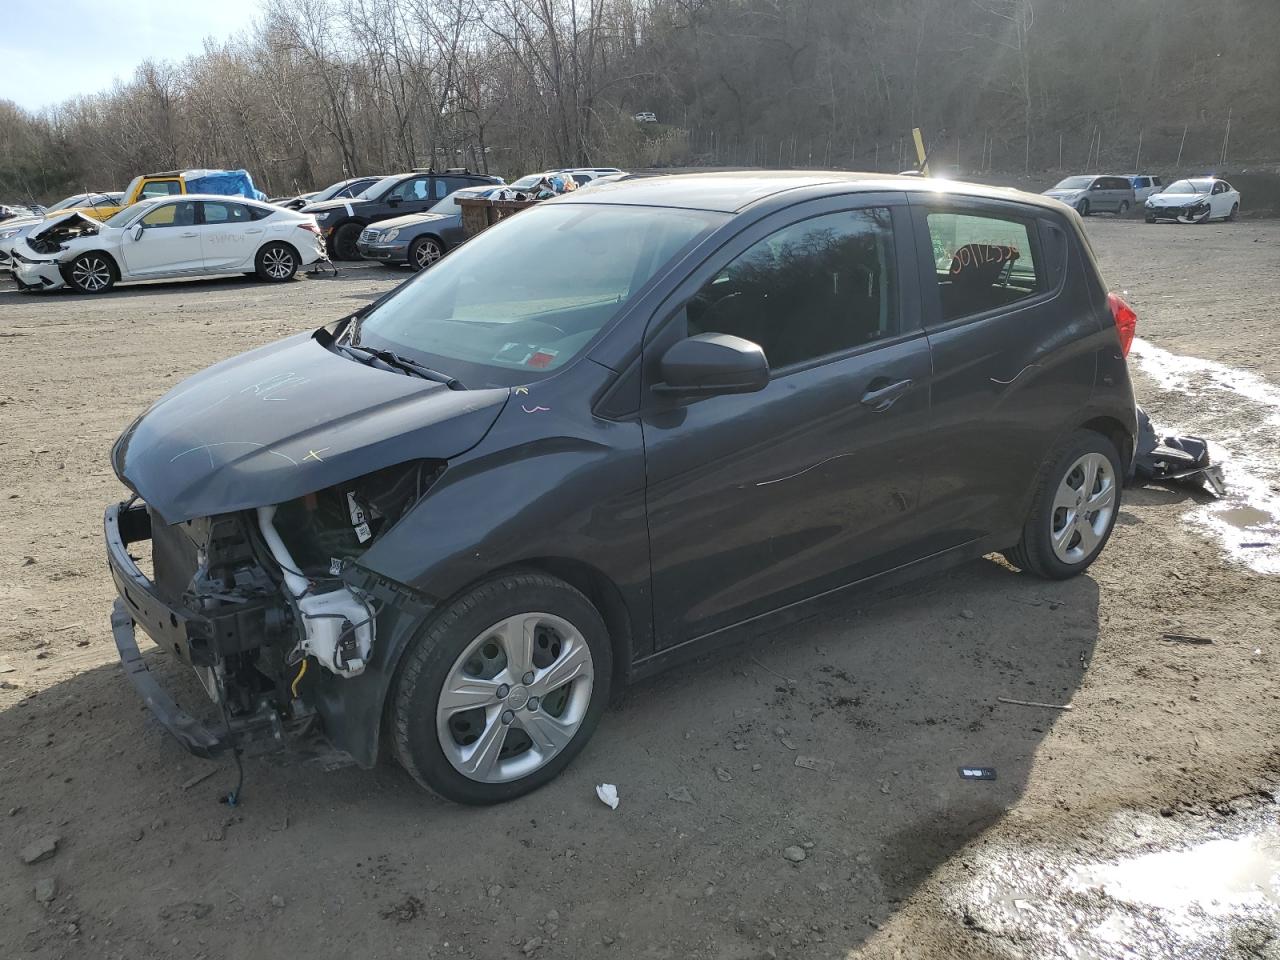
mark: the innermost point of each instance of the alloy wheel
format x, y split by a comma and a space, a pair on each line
515, 697
426, 253
91, 274
1082, 508
278, 263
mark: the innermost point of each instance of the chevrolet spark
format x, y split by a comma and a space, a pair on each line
609, 433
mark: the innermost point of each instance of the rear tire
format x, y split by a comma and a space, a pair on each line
529, 663
91, 273
1235, 212
1073, 510
276, 262
1124, 208
344, 242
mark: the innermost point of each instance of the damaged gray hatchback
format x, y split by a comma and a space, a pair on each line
449, 524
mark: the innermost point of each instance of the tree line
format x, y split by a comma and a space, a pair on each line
317, 90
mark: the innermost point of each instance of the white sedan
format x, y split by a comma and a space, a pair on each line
1194, 201
187, 235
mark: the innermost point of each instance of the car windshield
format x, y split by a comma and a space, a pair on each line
376, 189
1073, 183
1189, 186
527, 295
122, 217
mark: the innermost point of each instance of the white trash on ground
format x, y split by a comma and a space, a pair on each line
608, 794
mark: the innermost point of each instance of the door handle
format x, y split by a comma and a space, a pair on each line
881, 394
191, 233
254, 230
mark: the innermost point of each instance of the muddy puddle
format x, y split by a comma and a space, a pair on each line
1185, 887
1238, 412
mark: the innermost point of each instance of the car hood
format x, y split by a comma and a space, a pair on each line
1059, 194
1177, 199
409, 220
286, 420
350, 203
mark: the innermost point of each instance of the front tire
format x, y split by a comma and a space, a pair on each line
424, 252
344, 242
1151, 218
1124, 208
1083, 208
502, 690
276, 263
1073, 510
91, 273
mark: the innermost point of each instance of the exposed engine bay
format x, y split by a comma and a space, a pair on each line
254, 596
51, 238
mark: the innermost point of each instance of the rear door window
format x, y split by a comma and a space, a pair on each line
216, 211
982, 263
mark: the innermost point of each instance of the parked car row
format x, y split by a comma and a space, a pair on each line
420, 239
1186, 201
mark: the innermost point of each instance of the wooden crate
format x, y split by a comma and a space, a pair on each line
480, 213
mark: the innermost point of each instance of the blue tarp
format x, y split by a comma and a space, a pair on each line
230, 183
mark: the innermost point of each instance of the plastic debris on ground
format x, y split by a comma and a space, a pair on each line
608, 794
1174, 458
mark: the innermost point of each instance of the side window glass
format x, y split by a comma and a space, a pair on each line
814, 288
219, 212
414, 189
161, 188
981, 263
171, 215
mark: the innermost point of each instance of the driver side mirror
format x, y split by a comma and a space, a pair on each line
710, 364
137, 231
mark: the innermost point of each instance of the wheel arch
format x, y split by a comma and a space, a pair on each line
284, 243
1118, 434
112, 262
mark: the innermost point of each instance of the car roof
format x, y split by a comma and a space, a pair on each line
734, 192
233, 197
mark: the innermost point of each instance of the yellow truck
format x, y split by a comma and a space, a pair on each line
225, 182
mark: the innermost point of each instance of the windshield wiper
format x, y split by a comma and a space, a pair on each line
367, 355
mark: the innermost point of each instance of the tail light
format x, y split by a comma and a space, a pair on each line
311, 227
1126, 321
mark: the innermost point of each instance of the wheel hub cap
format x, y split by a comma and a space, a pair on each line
515, 697
1083, 508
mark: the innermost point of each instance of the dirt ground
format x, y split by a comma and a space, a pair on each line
1166, 746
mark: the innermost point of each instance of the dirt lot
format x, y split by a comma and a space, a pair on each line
1072, 851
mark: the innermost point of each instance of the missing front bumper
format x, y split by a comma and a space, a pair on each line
177, 630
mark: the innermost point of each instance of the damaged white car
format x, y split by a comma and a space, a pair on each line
1194, 201
179, 236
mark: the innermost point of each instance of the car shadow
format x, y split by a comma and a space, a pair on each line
841, 736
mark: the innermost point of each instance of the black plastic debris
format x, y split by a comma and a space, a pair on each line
1185, 638
1174, 458
978, 773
